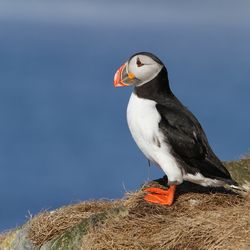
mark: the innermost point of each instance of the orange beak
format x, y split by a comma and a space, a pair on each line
118, 77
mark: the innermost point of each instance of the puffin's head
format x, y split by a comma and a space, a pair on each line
139, 69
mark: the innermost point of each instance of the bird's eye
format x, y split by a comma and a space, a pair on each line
138, 62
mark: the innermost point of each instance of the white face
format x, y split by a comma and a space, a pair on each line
144, 68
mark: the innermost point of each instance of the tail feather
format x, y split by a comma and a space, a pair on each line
236, 187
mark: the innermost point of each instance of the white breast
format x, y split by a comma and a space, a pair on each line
143, 121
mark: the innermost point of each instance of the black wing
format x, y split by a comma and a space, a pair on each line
188, 140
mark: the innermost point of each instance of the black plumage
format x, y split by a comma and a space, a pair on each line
181, 130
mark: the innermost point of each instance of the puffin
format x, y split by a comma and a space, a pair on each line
166, 132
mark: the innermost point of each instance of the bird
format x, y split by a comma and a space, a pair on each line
166, 132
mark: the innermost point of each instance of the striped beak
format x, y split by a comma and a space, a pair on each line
123, 78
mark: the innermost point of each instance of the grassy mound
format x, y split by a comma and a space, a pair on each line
195, 221
200, 218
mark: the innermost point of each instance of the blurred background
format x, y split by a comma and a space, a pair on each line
63, 129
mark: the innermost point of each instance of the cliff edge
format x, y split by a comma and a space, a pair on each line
200, 218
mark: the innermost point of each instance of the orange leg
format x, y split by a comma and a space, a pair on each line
160, 196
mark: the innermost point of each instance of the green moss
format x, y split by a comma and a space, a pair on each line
71, 239
240, 170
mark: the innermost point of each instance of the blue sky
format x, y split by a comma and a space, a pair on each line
63, 130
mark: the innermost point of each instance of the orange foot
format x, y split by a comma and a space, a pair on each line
160, 196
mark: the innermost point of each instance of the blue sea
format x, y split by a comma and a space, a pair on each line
63, 130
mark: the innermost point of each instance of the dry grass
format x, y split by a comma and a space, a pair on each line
44, 226
195, 221
199, 219
3, 236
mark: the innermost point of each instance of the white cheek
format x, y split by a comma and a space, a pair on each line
146, 72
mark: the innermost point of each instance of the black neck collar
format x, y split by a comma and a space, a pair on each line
156, 88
